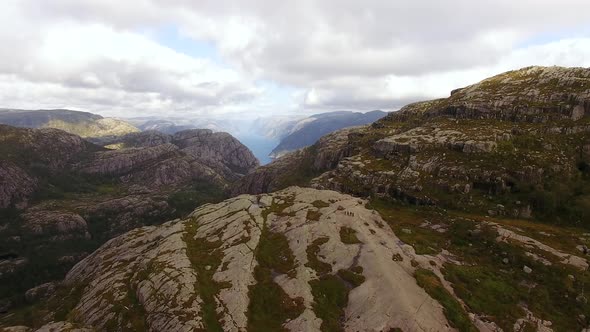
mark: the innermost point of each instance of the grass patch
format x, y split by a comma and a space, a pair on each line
185, 201
452, 308
313, 215
352, 276
312, 257
273, 252
61, 304
485, 284
279, 208
348, 236
205, 258
330, 295
270, 306
424, 241
320, 204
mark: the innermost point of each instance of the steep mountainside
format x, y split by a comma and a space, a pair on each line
61, 196
229, 156
83, 124
307, 131
515, 144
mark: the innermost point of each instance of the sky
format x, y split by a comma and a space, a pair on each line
256, 58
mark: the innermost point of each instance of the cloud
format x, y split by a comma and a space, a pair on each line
330, 54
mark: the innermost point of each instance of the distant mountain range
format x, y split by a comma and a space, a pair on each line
305, 132
87, 125
291, 131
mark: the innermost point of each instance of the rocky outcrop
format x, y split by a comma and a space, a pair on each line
128, 212
120, 162
40, 292
200, 154
16, 186
202, 272
30, 156
218, 147
507, 140
532, 94
423, 138
144, 139
60, 225
48, 148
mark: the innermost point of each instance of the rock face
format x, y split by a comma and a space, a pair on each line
144, 139
532, 94
217, 152
153, 167
61, 224
202, 273
16, 186
307, 131
219, 147
45, 150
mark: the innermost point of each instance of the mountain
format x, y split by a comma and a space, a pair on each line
163, 126
514, 144
276, 127
495, 177
83, 124
466, 213
307, 131
173, 124
62, 196
315, 267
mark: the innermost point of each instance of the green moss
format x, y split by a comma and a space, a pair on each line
348, 236
273, 252
301, 172
270, 306
487, 291
351, 276
452, 308
486, 285
205, 258
320, 204
313, 215
278, 209
62, 304
330, 296
185, 201
312, 257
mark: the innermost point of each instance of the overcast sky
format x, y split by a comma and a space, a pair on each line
258, 57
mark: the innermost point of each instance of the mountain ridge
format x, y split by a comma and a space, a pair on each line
84, 124
307, 131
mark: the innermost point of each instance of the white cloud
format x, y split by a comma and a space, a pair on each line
330, 54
